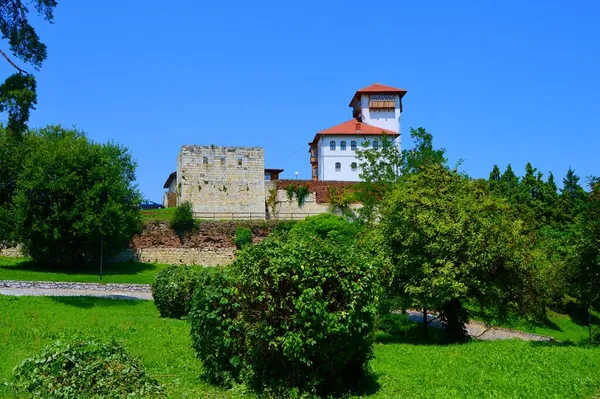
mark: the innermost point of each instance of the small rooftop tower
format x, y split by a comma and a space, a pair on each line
379, 105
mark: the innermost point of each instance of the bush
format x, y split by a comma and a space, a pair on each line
327, 225
173, 289
70, 194
293, 314
80, 368
243, 237
183, 218
216, 330
395, 323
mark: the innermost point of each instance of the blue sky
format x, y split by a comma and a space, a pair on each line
495, 83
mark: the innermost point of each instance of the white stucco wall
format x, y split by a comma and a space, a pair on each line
384, 119
328, 158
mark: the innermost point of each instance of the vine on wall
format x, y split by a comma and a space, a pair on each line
299, 191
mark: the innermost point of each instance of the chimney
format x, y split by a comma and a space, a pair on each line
358, 126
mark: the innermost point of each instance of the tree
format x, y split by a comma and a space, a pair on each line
449, 241
18, 92
587, 267
494, 179
572, 197
71, 194
383, 166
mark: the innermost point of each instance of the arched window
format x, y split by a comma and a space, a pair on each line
332, 145
353, 145
338, 167
353, 166
343, 145
375, 144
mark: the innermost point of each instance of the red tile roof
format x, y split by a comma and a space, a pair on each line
378, 88
356, 128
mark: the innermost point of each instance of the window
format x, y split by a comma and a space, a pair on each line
338, 167
353, 145
375, 144
239, 161
222, 160
205, 160
343, 145
353, 166
332, 145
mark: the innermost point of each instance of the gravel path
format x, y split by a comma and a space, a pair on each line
479, 330
48, 288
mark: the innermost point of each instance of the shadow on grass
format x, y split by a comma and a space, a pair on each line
128, 268
87, 302
415, 336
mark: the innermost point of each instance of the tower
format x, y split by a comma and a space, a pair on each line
376, 111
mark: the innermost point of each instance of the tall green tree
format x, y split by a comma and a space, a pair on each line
450, 242
586, 273
381, 167
72, 194
18, 92
572, 197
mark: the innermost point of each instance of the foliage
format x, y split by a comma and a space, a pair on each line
272, 199
340, 200
72, 194
85, 368
449, 241
173, 289
183, 218
216, 329
18, 93
243, 237
586, 268
12, 153
294, 313
308, 306
385, 165
534, 370
300, 191
394, 323
327, 225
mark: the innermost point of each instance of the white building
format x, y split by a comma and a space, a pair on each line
376, 110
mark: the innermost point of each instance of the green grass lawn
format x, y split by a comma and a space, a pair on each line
508, 369
161, 215
132, 273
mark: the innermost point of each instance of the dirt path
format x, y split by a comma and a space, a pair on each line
481, 331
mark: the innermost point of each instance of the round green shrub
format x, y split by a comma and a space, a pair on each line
173, 289
183, 218
293, 314
80, 368
243, 237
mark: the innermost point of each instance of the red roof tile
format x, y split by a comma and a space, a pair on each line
355, 127
378, 88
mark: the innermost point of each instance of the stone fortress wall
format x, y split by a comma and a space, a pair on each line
222, 180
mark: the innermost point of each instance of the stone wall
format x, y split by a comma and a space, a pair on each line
222, 180
315, 202
13, 252
177, 256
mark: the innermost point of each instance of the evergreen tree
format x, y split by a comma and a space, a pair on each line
494, 179
572, 198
